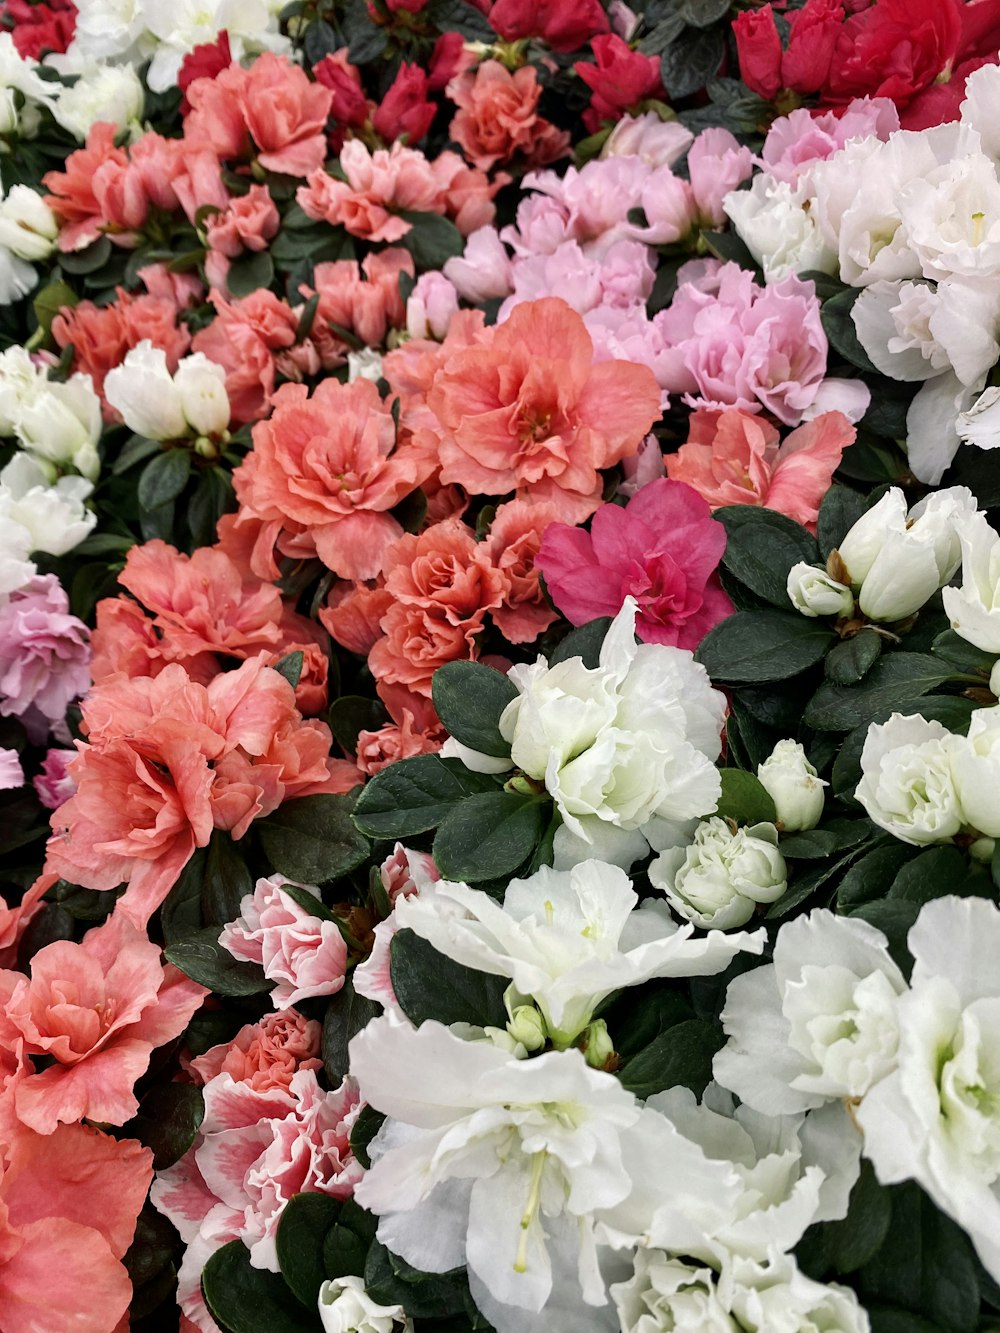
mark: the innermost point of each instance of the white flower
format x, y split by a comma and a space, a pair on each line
952, 218
181, 26
567, 939
982, 87
106, 29
16, 278
670, 1295
936, 1118
62, 424
980, 425
814, 593
793, 785
499, 1163
898, 559
932, 419
974, 608
818, 1023
201, 388
18, 75
53, 517
624, 749
28, 227
346, 1307
21, 380
720, 878
103, 92
364, 365
161, 406
776, 1297
976, 770
778, 226
11, 772
907, 785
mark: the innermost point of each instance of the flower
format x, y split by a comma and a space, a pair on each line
719, 879
103, 94
669, 1294
346, 1307
662, 549
619, 78
513, 541
934, 1118
44, 654
497, 117
567, 939
35, 516
907, 780
265, 1055
11, 772
814, 593
161, 406
97, 1010
305, 954
793, 785
976, 769
819, 1023
974, 607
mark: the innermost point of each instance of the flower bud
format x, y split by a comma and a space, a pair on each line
201, 387
528, 1027
792, 784
717, 881
814, 593
28, 227
143, 391
597, 1046
346, 1307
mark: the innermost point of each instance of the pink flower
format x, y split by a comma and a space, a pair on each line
247, 337
96, 1010
11, 772
405, 108
44, 654
662, 548
717, 163
68, 1207
54, 784
378, 749
497, 117
733, 458
247, 223
797, 140
431, 306
403, 872
265, 1055
642, 467
303, 954
255, 1151
483, 270
513, 541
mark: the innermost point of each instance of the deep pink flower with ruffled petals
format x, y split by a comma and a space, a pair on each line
53, 784
662, 548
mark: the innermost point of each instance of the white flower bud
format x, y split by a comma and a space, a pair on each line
814, 593
597, 1047
346, 1307
792, 784
201, 387
143, 391
718, 880
28, 227
528, 1027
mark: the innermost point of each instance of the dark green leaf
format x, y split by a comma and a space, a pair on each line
885, 1320
850, 661
290, 667
840, 510
244, 1299
352, 714
180, 914
762, 546
302, 1228
763, 646
346, 1014
104, 543
53, 298
584, 642
431, 240
314, 838
79, 262
488, 835
666, 31
389, 1280
168, 1120
414, 795
458, 16
201, 957
891, 681
319, 40
681, 1055
364, 1129
700, 13
163, 478
744, 799
893, 917
689, 62
346, 1245
857, 1237
250, 273
839, 328
932, 874
838, 836
227, 880
429, 985
469, 699
133, 451
959, 652
869, 879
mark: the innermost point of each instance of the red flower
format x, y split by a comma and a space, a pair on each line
895, 49
816, 29
620, 79
405, 108
204, 62
37, 29
758, 46
564, 24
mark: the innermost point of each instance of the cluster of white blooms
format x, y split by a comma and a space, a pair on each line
191, 402
833, 1019
59, 424
37, 516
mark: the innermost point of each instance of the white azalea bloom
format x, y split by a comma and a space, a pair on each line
932, 420
346, 1307
21, 380
777, 1297
28, 227
936, 1118
668, 1294
201, 388
974, 607
179, 27
622, 748
793, 785
500, 1163
817, 1024
54, 517
18, 75
898, 559
17, 277
109, 93
777, 223
62, 424
567, 939
143, 391
719, 879
908, 784
107, 30
952, 218
814, 593
978, 111
976, 769
980, 424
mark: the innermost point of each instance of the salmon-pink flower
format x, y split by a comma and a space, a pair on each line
331, 463
97, 1010
662, 548
68, 1206
352, 616
497, 117
378, 749
377, 188
265, 1055
247, 223
513, 541
732, 458
247, 337
73, 198
529, 411
304, 954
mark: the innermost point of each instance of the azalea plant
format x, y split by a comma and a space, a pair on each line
499, 641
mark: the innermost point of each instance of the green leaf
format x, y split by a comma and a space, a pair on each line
689, 62
290, 667
666, 31
429, 985
168, 1120
457, 16
346, 1244
319, 40
932, 874
414, 795
226, 880
163, 478
584, 642
850, 661
744, 799
839, 328
488, 835
761, 547
367, 39
133, 451
893, 680
700, 13
838, 836
959, 652
351, 714
250, 273
894, 918
244, 1299
53, 298
869, 879
346, 1014
180, 914
313, 838
201, 957
431, 240
364, 1129
763, 646
390, 1280
469, 699
885, 1320
79, 262
681, 1055
840, 510
302, 1228
855, 1239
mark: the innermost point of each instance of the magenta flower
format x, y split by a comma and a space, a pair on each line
662, 548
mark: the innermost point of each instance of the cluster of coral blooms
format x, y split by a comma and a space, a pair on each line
357, 357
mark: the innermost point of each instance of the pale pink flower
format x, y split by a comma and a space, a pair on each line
53, 784
11, 772
483, 270
44, 654
642, 467
717, 163
431, 306
794, 142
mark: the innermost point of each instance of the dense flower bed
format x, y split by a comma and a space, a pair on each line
499, 666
